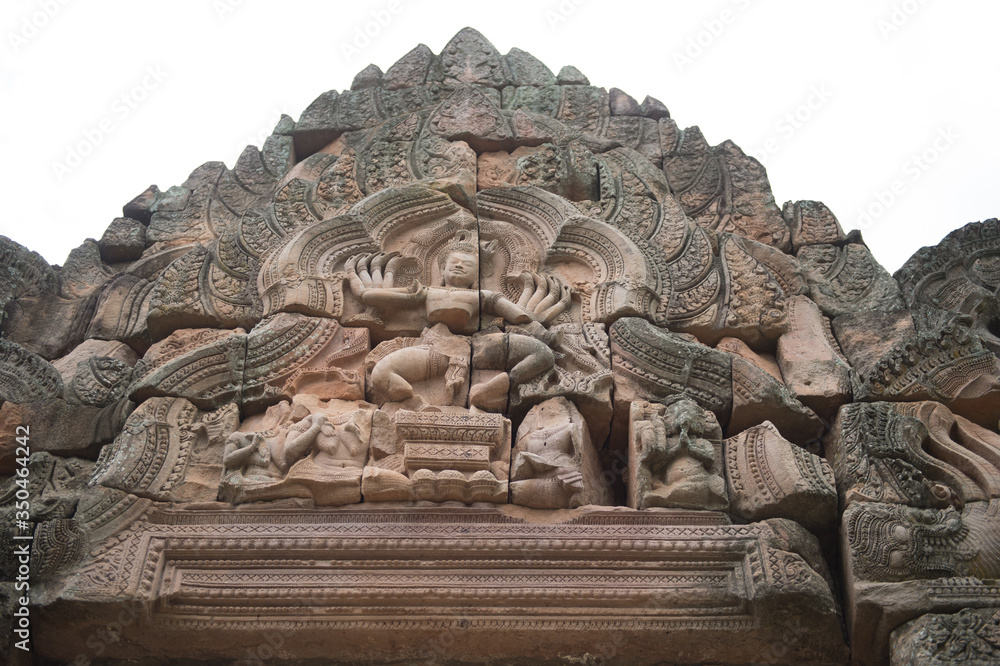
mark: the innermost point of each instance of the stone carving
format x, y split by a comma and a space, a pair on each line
957, 276
515, 370
866, 337
457, 303
721, 188
893, 542
60, 428
204, 366
124, 240
847, 279
971, 636
27, 274
905, 453
317, 455
96, 373
652, 364
951, 366
290, 354
300, 377
675, 457
51, 316
26, 377
555, 466
432, 369
769, 477
438, 456
811, 223
168, 451
758, 397
766, 582
66, 517
812, 366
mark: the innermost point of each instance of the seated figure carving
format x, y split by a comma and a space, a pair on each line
555, 465
674, 458
312, 458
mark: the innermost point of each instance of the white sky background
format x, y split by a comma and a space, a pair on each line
904, 94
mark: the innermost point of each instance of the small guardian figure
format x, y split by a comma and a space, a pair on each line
674, 457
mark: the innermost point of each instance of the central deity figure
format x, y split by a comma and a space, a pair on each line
459, 301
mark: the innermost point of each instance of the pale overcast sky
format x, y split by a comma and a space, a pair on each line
885, 110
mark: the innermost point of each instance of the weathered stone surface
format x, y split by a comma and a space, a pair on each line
844, 280
651, 363
666, 554
448, 455
140, 208
204, 366
27, 274
769, 477
341, 335
471, 58
369, 77
410, 70
810, 363
722, 188
59, 428
121, 310
570, 172
96, 372
290, 354
168, 451
971, 636
622, 104
311, 449
950, 365
414, 372
653, 108
527, 70
919, 454
763, 360
956, 276
866, 337
50, 323
26, 377
811, 223
124, 240
895, 542
554, 464
675, 457
759, 397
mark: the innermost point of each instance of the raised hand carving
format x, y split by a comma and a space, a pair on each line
457, 303
675, 457
543, 297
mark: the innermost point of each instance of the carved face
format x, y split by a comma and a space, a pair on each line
461, 269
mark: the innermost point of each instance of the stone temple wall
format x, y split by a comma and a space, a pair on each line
475, 363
